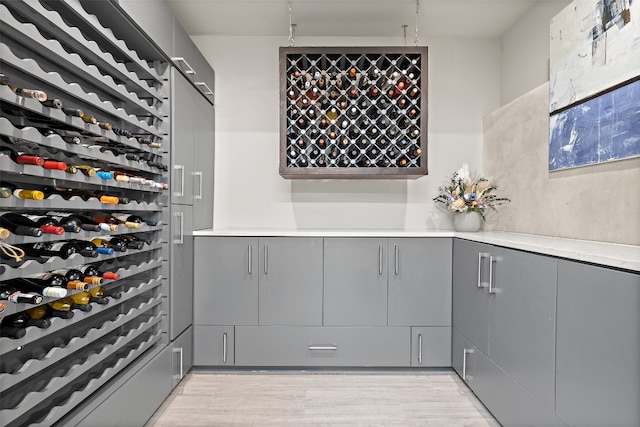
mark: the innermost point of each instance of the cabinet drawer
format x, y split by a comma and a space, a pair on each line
431, 346
213, 345
322, 346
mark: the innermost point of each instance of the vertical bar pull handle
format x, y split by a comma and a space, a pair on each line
224, 347
380, 260
481, 256
397, 259
464, 362
266, 259
492, 260
419, 349
199, 195
179, 350
180, 239
181, 169
250, 258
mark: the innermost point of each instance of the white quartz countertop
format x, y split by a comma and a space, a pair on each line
607, 254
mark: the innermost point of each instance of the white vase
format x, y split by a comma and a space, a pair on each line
467, 221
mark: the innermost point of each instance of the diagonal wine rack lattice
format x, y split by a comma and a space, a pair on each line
353, 112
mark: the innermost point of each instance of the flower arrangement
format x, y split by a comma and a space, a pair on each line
469, 193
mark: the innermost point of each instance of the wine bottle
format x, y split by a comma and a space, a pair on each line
19, 224
122, 132
73, 112
82, 301
117, 246
52, 103
12, 294
92, 270
14, 326
4, 79
118, 219
50, 249
89, 249
86, 170
137, 238
61, 308
38, 316
29, 93
89, 119
98, 295
45, 286
75, 279
48, 225
73, 223
4, 233
8, 189
21, 158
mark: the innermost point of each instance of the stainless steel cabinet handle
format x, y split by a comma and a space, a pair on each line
331, 347
180, 240
181, 169
266, 259
481, 256
419, 349
492, 260
179, 350
224, 347
199, 196
184, 61
208, 89
380, 260
250, 259
397, 259
464, 362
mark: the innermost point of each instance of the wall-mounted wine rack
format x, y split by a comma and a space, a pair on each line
357, 112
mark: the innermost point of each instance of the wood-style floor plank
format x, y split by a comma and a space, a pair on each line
305, 399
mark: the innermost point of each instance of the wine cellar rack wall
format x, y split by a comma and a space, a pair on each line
116, 146
358, 112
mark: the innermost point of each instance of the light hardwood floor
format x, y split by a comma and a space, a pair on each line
305, 399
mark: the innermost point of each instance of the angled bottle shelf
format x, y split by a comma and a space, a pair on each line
88, 49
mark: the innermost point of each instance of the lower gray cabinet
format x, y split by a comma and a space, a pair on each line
598, 346
133, 403
322, 346
182, 356
507, 400
213, 345
431, 346
181, 270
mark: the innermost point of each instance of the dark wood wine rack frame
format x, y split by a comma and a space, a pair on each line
311, 171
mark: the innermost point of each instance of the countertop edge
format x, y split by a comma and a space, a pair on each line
626, 257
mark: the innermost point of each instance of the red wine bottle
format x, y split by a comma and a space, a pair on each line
12, 294
19, 224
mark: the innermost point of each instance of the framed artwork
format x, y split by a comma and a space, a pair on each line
594, 87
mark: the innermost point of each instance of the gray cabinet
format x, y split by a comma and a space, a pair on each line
504, 305
182, 353
355, 281
470, 309
431, 346
203, 161
321, 346
419, 272
598, 346
182, 139
226, 281
290, 281
154, 18
213, 345
181, 270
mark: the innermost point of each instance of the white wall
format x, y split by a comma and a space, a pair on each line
464, 86
525, 51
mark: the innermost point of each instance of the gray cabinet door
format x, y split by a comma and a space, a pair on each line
355, 281
598, 346
522, 320
213, 345
205, 76
290, 283
470, 303
181, 270
203, 163
431, 346
183, 50
182, 134
182, 351
155, 19
419, 273
226, 281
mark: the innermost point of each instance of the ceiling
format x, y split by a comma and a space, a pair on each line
352, 18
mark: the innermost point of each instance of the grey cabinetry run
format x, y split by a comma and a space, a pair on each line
504, 330
598, 350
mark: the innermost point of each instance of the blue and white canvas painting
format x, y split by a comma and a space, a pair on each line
600, 130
